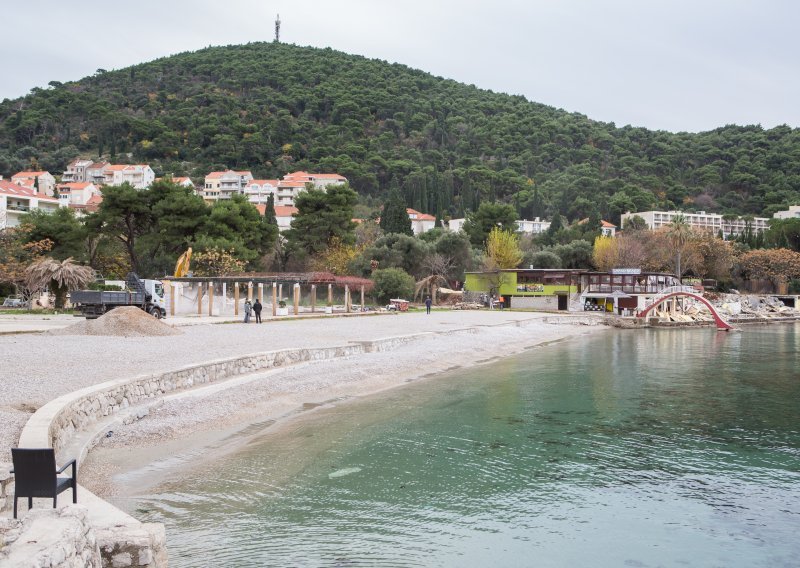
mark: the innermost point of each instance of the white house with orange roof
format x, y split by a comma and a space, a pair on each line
95, 172
47, 183
76, 193
420, 222
292, 184
259, 190
140, 176
91, 206
608, 229
284, 215
16, 200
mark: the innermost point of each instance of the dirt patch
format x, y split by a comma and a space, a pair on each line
126, 321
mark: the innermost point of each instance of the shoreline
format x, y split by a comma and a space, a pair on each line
194, 427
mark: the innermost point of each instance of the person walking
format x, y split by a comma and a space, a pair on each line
247, 309
257, 310
428, 303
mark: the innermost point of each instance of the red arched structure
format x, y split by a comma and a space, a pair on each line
722, 325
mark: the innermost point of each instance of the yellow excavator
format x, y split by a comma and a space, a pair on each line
183, 264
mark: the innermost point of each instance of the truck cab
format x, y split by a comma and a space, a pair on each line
156, 290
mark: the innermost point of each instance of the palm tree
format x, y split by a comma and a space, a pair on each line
679, 231
60, 277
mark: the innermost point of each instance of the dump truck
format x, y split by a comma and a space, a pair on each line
142, 293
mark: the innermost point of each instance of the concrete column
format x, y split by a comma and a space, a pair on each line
280, 291
297, 299
211, 298
236, 298
274, 299
347, 298
362, 298
261, 292
199, 298
330, 294
250, 291
313, 298
224, 298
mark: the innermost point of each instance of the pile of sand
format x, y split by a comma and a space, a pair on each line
125, 321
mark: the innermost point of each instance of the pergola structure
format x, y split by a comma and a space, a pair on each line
253, 285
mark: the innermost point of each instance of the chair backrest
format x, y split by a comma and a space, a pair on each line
34, 471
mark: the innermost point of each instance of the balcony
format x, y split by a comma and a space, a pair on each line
15, 207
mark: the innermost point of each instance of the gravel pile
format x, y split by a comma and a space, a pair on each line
125, 321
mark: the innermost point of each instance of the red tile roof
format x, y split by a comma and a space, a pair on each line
15, 190
608, 225
419, 216
28, 174
327, 176
75, 185
285, 210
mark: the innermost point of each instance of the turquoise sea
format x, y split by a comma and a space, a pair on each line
625, 448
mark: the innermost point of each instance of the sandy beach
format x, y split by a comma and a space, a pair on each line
41, 367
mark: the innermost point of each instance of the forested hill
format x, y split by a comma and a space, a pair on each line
274, 108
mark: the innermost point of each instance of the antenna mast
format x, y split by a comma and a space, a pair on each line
278, 29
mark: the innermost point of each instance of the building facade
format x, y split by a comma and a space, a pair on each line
46, 182
711, 222
792, 213
16, 200
76, 193
621, 291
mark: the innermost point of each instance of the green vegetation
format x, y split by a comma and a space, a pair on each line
275, 108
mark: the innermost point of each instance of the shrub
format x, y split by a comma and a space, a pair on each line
392, 283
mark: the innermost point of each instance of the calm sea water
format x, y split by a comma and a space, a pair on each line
628, 448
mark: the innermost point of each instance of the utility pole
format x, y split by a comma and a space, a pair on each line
278, 29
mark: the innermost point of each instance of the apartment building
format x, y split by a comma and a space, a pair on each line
533, 227
47, 183
259, 190
77, 193
711, 222
140, 176
16, 200
222, 185
76, 171
792, 213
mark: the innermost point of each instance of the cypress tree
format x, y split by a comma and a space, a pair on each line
394, 218
269, 212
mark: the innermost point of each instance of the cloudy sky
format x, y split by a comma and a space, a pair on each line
676, 65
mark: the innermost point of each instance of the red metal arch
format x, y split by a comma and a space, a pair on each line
721, 323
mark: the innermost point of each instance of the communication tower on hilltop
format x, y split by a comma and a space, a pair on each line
278, 29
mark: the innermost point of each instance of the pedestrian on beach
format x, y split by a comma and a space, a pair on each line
247, 309
428, 305
257, 310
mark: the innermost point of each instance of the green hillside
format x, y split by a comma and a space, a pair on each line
274, 108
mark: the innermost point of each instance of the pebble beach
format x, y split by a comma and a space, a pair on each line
40, 367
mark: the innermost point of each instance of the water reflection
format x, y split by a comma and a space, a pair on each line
650, 448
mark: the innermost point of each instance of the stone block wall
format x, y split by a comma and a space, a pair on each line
50, 538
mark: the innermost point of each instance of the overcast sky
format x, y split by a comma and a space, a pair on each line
676, 65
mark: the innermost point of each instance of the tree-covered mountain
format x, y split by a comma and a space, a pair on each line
273, 108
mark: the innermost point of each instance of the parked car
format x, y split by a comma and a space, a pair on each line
13, 303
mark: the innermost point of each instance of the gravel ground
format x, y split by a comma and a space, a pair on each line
37, 368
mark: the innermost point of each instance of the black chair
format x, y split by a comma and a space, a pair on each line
35, 475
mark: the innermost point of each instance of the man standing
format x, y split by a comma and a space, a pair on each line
247, 308
428, 305
257, 310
